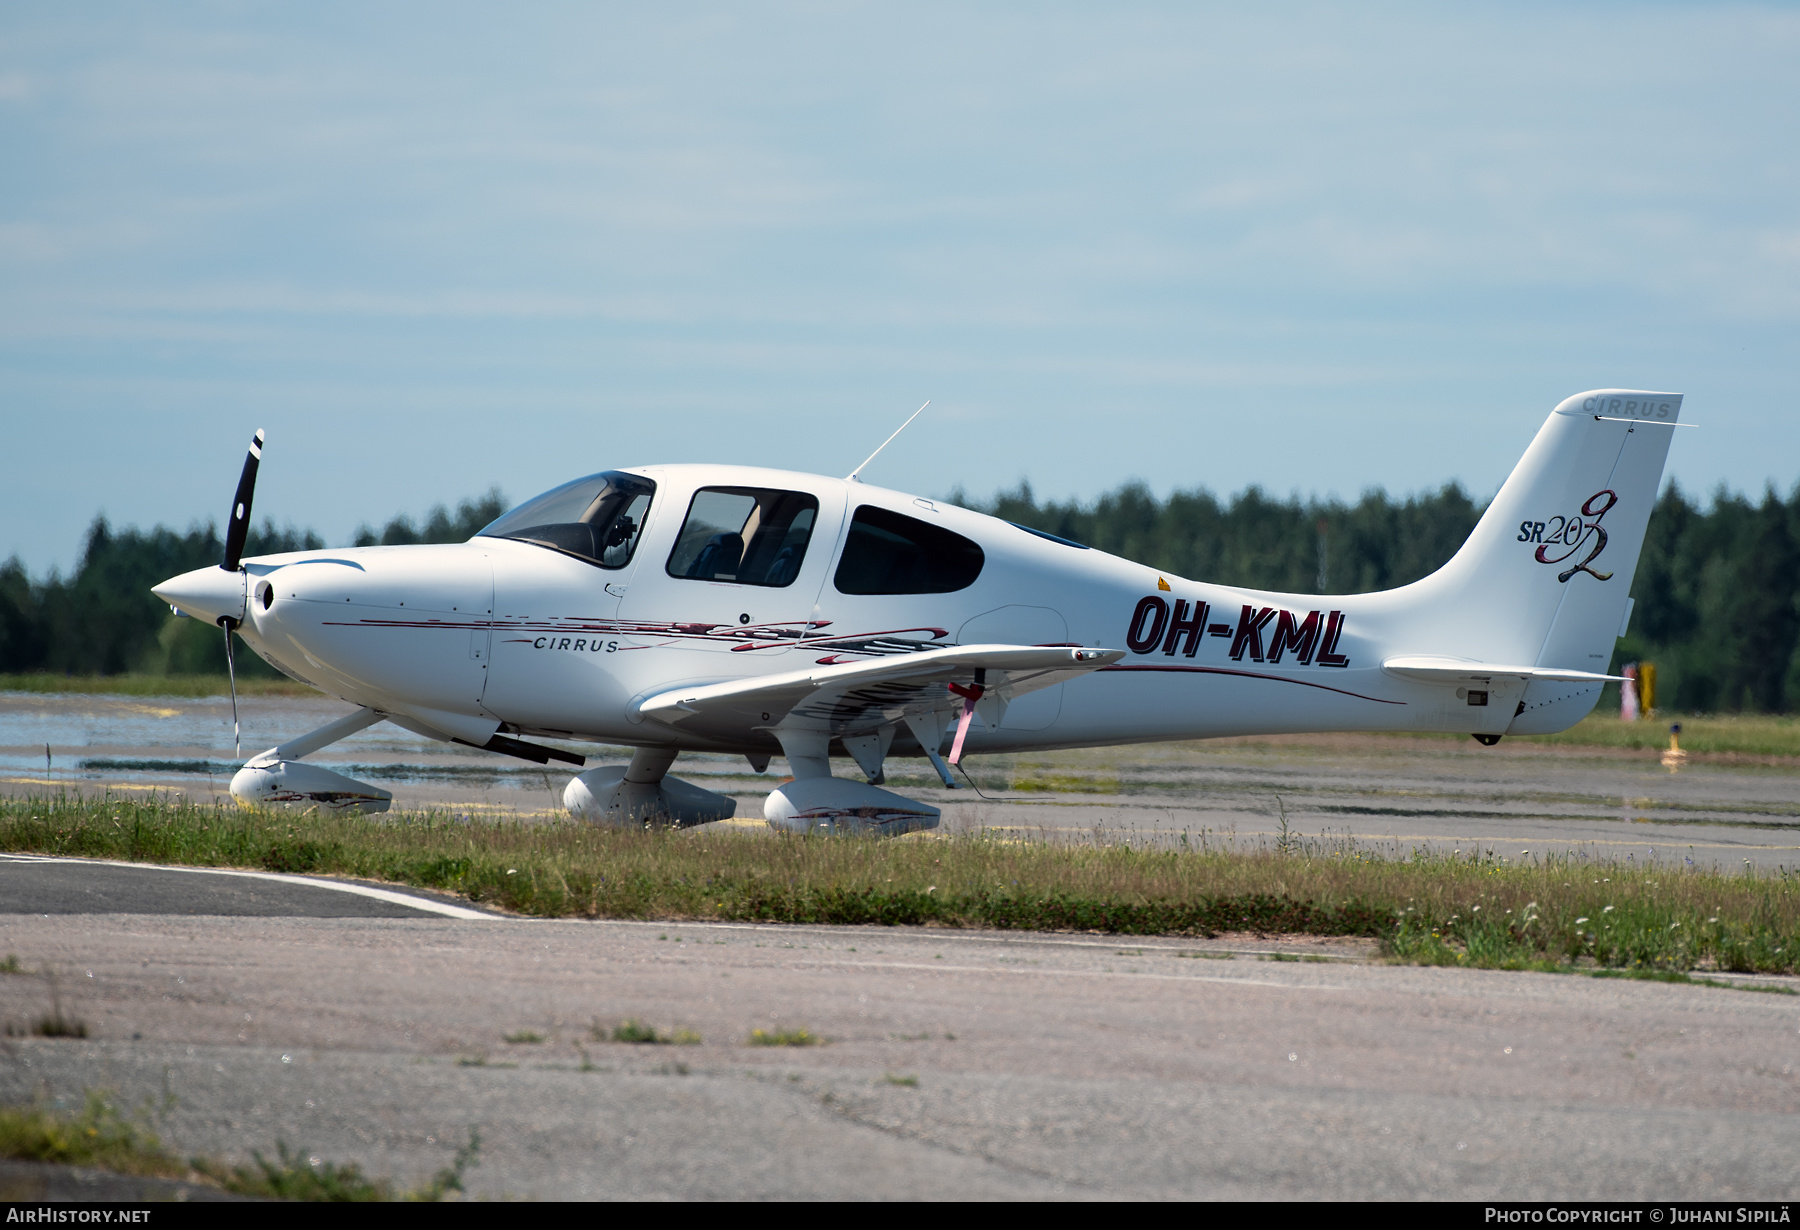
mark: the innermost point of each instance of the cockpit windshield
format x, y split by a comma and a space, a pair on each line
597, 518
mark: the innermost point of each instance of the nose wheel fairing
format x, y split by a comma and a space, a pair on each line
278, 777
295, 783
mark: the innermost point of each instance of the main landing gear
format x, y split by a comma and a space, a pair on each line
642, 792
815, 801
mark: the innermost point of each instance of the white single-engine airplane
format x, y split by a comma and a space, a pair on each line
755, 612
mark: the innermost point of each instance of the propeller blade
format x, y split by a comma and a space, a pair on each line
239, 529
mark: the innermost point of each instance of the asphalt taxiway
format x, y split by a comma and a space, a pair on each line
32, 884
954, 1064
1390, 794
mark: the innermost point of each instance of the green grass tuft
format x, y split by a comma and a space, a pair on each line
634, 1031
784, 1037
97, 1135
1028, 779
54, 1024
296, 1176
100, 1137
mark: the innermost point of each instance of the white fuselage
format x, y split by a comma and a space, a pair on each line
459, 636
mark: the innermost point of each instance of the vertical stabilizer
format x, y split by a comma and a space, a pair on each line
1545, 577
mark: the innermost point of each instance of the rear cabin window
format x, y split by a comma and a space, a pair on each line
890, 553
744, 535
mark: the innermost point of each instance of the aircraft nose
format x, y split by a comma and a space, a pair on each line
205, 593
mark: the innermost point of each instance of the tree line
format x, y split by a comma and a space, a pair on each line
1717, 588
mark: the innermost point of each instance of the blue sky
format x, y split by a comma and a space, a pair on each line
431, 248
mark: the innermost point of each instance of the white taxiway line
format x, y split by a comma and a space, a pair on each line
358, 890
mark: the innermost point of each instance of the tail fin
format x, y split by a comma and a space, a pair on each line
1545, 577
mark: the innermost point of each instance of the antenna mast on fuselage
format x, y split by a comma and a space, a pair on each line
852, 476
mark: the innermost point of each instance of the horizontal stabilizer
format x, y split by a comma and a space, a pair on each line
1459, 670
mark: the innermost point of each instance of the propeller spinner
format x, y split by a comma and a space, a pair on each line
217, 594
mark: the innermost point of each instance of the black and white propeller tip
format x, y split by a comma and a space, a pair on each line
239, 528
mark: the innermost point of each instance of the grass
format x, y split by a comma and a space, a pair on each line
152, 685
1637, 931
99, 1136
1030, 778
296, 1176
1470, 908
525, 1037
636, 1032
785, 1037
54, 1024
1747, 734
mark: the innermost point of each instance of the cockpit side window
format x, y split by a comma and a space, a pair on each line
598, 518
889, 553
744, 535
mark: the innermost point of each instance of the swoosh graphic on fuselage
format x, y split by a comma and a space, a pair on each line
744, 637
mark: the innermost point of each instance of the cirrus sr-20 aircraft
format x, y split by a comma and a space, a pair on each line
759, 612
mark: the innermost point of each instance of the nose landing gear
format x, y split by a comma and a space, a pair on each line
277, 776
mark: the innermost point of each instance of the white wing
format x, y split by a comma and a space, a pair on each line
852, 697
